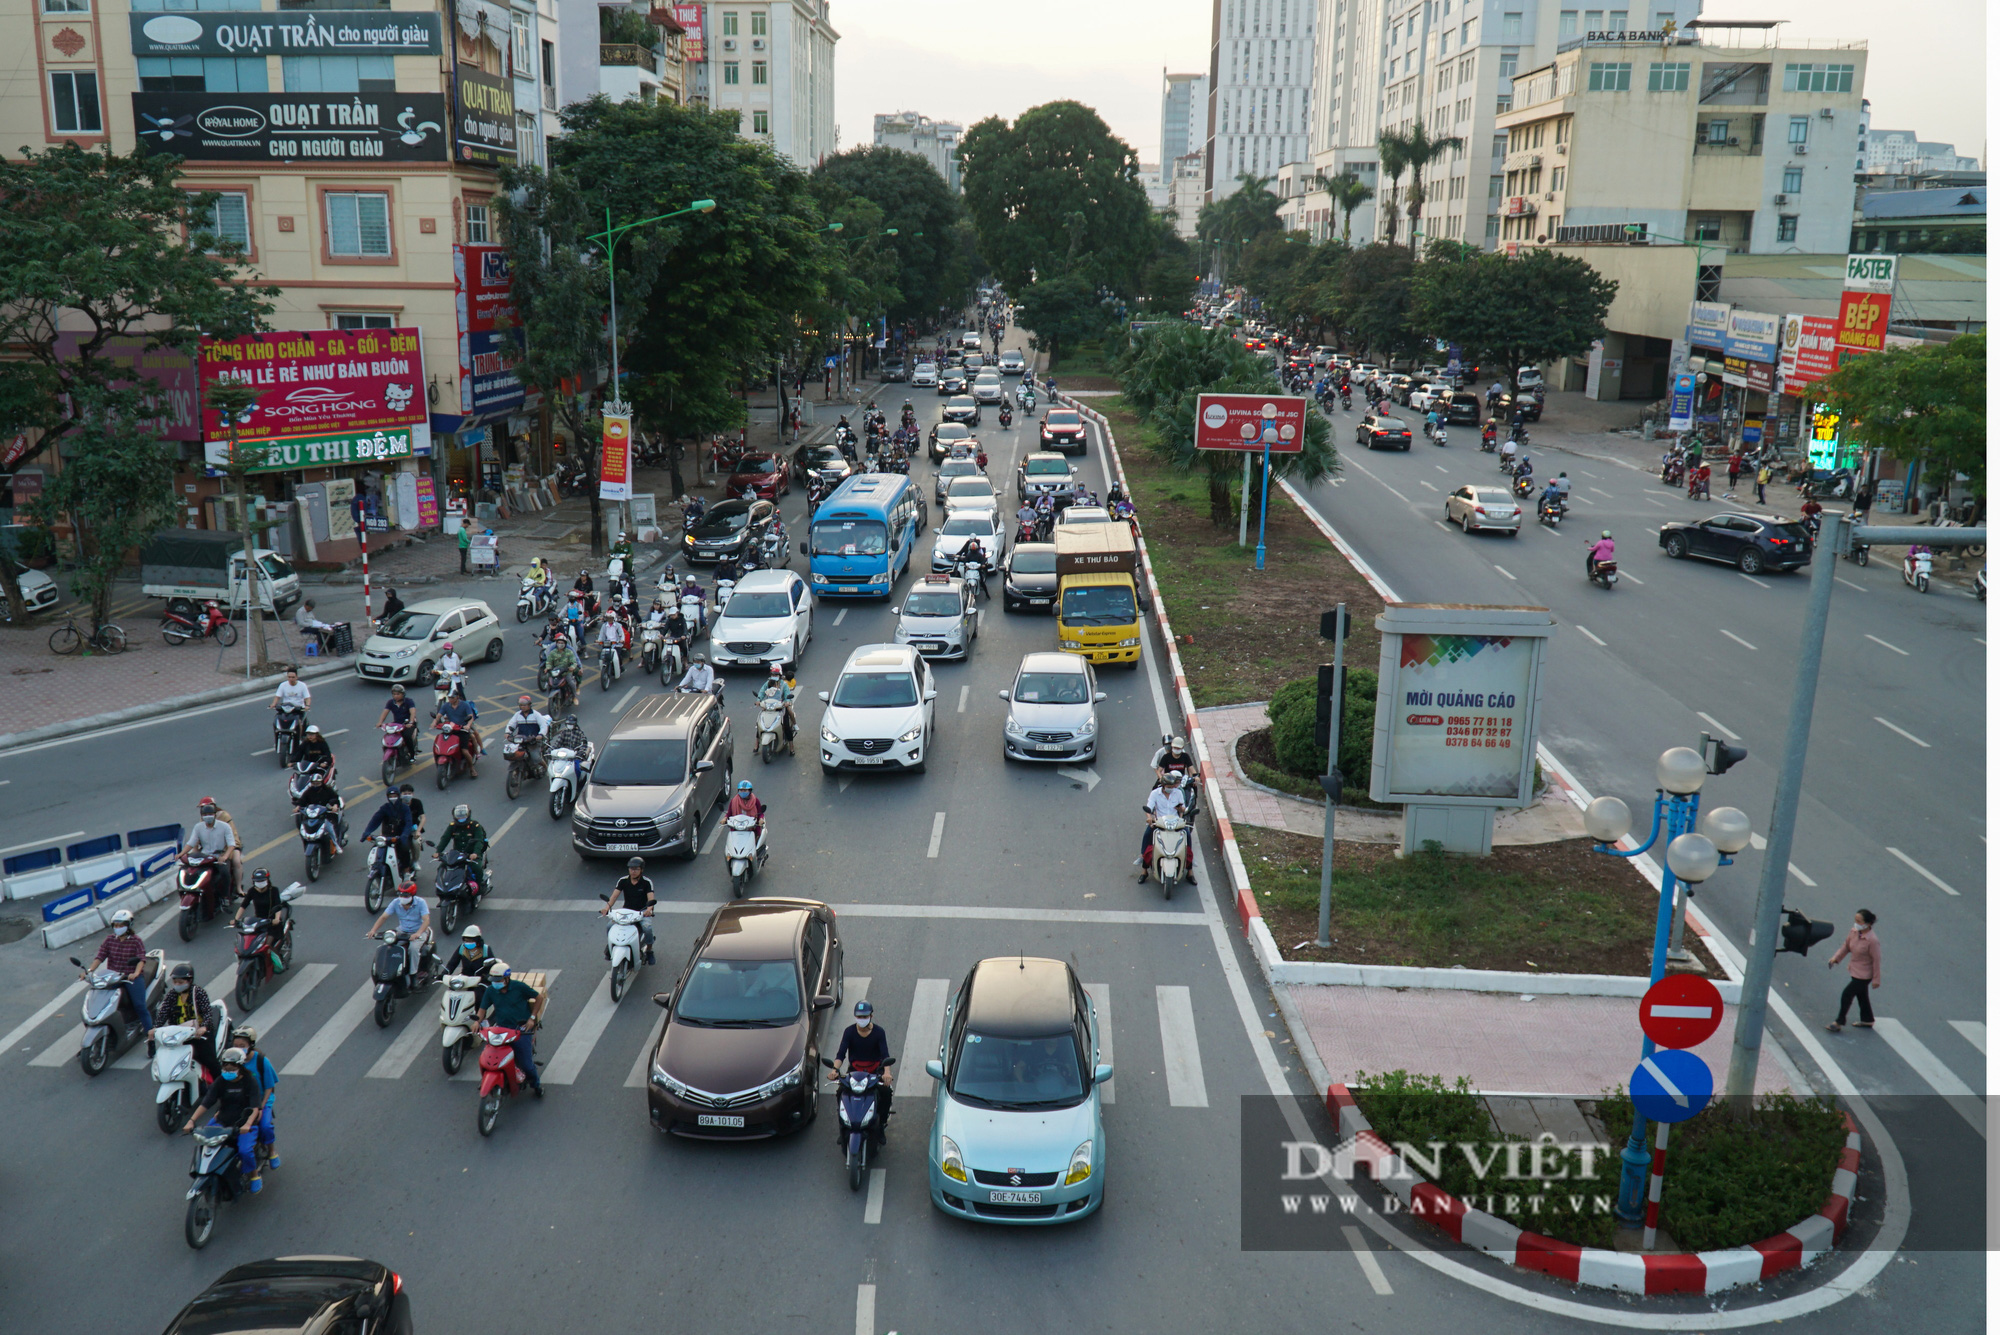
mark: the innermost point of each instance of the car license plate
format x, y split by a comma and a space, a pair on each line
869, 760
622, 848
719, 1119
1038, 602
1014, 1197
1050, 746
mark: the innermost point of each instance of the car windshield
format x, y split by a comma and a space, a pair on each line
825, 456
1051, 688
1490, 496
1390, 424
935, 603
959, 403
978, 524
849, 537
1796, 532
1063, 419
722, 521
922, 367
951, 431
1099, 605
1004, 1072
769, 603
875, 690
1047, 467
739, 994
408, 625
959, 468
973, 485
644, 761
1034, 563
758, 464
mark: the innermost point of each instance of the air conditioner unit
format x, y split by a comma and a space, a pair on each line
756, 44
1562, 148
1781, 199
729, 44
1550, 195
1826, 113
1535, 160
1799, 149
1731, 143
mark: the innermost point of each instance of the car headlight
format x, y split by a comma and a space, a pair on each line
405, 653
1089, 728
912, 734
1128, 644
789, 1080
828, 735
950, 1162
1069, 644
1014, 729
818, 578
882, 578
661, 1080
1079, 1164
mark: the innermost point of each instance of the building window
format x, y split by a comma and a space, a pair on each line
1510, 27
478, 225
549, 76
1801, 127
65, 6
1819, 78
202, 74
1671, 77
1788, 227
1618, 20
732, 72
1493, 184
758, 22
1593, 20
340, 74
1509, 62
357, 226
1716, 132
229, 220
74, 94
760, 122
1795, 180
1566, 23
1556, 179
760, 72
1492, 228
524, 49
728, 23
363, 320
1708, 228
1610, 76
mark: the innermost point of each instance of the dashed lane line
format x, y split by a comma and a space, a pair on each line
1886, 645
1900, 732
1585, 632
937, 835
1710, 720
1850, 584
1738, 638
1921, 870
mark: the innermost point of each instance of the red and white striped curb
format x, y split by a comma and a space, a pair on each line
1698, 1272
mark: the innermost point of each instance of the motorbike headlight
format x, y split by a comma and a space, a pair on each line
1079, 1165
664, 1081
950, 1162
828, 735
912, 734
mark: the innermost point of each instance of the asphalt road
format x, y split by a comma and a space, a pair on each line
576, 1214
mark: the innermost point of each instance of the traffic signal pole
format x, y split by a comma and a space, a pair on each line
1333, 780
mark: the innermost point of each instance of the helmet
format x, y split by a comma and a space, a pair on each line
312, 729
527, 702
700, 657
260, 877
461, 812
208, 806
473, 935
232, 1056
244, 1032
499, 969
863, 1010
1172, 779
1605, 534
397, 689
635, 864
1177, 743
182, 971
122, 918
743, 785
447, 646
778, 670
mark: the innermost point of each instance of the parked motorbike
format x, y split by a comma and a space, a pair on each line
317, 828
399, 750
566, 770
856, 1099
459, 886
177, 627
1917, 570
263, 951
1170, 845
177, 1076
621, 947
203, 882
288, 733
395, 974
746, 853
534, 601
109, 1022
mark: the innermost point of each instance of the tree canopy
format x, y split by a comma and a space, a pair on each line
917, 202
1923, 405
1510, 312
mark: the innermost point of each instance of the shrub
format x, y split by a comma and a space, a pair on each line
1291, 712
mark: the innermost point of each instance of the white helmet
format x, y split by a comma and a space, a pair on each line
122, 918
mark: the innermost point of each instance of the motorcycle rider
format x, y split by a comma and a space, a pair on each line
315, 751
463, 714
413, 916
449, 664
789, 690
1508, 451
392, 602
243, 1038
634, 890
530, 727
185, 1003
746, 803
1552, 498
292, 693
864, 1046
400, 709
1561, 485
214, 837
562, 661
123, 953
1176, 756
699, 676
393, 818
260, 900
321, 793
1604, 549
611, 634
473, 956
1167, 798
469, 837
238, 1100
539, 573
510, 1004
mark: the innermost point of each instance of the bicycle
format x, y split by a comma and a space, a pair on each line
67, 639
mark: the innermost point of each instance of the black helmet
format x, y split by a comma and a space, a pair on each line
182, 972
260, 877
632, 864
461, 813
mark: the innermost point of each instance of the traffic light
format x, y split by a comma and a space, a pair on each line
1719, 755
1335, 624
1801, 933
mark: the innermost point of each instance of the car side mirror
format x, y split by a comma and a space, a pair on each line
369, 1306
1100, 697
934, 1069
1101, 1074
804, 550
1005, 695
703, 766
824, 1003
664, 1000
931, 694
826, 695
895, 611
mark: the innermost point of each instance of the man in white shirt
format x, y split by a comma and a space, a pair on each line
310, 625
292, 693
1167, 799
611, 633
699, 676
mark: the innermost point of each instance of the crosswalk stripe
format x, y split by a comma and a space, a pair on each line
925, 1027
636, 1077
584, 1032
1973, 1032
1921, 1059
333, 1033
419, 1032
289, 994
1100, 997
470, 1071
137, 1060
1180, 1060
35, 1021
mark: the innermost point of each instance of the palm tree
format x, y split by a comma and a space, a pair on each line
1415, 150
1247, 212
1391, 148
1349, 193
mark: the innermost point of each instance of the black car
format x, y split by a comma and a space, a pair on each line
1464, 410
895, 369
1379, 432
951, 382
1028, 577
823, 461
729, 529
1749, 542
947, 434
1062, 429
964, 410
304, 1293
1531, 408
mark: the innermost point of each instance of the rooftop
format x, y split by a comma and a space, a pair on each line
1956, 203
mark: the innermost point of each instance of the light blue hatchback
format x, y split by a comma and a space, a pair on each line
1017, 1136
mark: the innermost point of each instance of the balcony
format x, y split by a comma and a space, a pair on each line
628, 54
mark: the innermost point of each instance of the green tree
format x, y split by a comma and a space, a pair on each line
114, 247
1923, 405
1389, 149
917, 202
1062, 312
1413, 150
1226, 226
1349, 192
1053, 191
1170, 283
1371, 300
1510, 312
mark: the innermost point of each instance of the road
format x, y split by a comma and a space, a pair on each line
576, 1214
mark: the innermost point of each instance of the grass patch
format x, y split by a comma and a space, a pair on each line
1732, 1178
1083, 359
1552, 908
1244, 632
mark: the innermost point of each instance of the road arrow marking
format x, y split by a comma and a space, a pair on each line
1087, 777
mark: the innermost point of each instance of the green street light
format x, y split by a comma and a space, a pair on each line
833, 227
609, 236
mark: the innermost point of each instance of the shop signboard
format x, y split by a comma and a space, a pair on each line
1753, 376
427, 501
484, 111
615, 477
1708, 322
286, 454
489, 336
1238, 422
320, 382
175, 390
293, 127
324, 32
1807, 349
1864, 321
1870, 273
1824, 449
1751, 335
690, 18
1680, 408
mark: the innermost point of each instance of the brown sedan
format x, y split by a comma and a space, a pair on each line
746, 1023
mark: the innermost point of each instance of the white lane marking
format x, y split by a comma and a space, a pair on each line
1180, 1060
1600, 491
1739, 639
624, 700
158, 923
419, 1032
1901, 733
1886, 645
636, 1077
1391, 490
841, 617
269, 749
1916, 867
1629, 577
920, 1043
335, 733
937, 835
714, 833
1503, 570
49, 842
1100, 997
965, 693
333, 1033
864, 1310
1851, 584
1425, 485
845, 779
1804, 879
267, 1015
60, 1051
35, 1021
1972, 1031
1592, 638
1441, 524
506, 825
581, 1040
177, 717
1650, 501
1758, 582
1590, 475
1441, 468
1710, 720
1923, 1061
878, 1182
1757, 841
1365, 1258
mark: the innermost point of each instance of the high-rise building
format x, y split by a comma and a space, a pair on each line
772, 61
1900, 151
1186, 189
1183, 119
1260, 66
936, 142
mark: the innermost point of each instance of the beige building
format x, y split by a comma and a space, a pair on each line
772, 61
1186, 191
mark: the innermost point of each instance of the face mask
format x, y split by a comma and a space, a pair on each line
120, 930
230, 1073
180, 987
407, 900
208, 820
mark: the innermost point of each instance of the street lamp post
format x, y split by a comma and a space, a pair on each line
1270, 438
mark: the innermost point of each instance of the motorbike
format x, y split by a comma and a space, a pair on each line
458, 1018
1917, 570
856, 1100
562, 690
566, 770
621, 947
1604, 574
176, 1073
776, 551
1550, 512
177, 627
1006, 416
302, 779
1488, 441
610, 665
652, 646
317, 827
1439, 436
499, 1074
1028, 402
1673, 470
1524, 485
109, 1023
263, 951
1170, 847
745, 852
694, 610
203, 885
399, 750
217, 1177
523, 757
442, 683
673, 661
384, 872
771, 725
451, 753
459, 886
534, 601
395, 974
288, 733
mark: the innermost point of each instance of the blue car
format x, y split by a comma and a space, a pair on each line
1017, 1136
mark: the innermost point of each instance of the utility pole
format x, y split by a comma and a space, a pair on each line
231, 400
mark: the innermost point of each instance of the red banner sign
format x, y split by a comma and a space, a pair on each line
1864, 321
1807, 349
614, 478
689, 17
1239, 422
311, 382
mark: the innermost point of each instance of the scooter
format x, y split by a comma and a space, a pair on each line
200, 882
1604, 574
177, 627
263, 952
1439, 436
395, 974
459, 886
451, 753
694, 610
856, 1100
175, 1071
534, 601
317, 827
499, 1074
566, 770
442, 683
399, 750
1006, 416
1170, 842
109, 1023
522, 756
771, 725
385, 872
1857, 552
1524, 485
745, 852
217, 1175
302, 779
458, 1017
1550, 512
610, 665
288, 733
1979, 584
621, 947
652, 646
1917, 570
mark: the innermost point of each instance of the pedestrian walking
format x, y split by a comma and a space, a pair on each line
1863, 953
464, 548
1735, 468
1864, 499
1763, 480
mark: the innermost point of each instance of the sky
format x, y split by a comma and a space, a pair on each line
964, 60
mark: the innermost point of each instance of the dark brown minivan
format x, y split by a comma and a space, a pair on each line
665, 766
746, 1022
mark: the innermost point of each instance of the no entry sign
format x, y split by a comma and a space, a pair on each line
1239, 421
1680, 1011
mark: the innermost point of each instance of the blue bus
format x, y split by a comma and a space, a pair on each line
861, 537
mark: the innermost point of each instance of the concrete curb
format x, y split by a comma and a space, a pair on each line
1313, 973
97, 917
1629, 1272
72, 727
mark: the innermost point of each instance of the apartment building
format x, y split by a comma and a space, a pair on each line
1183, 120
627, 51
936, 142
1901, 152
1260, 89
772, 61
1186, 192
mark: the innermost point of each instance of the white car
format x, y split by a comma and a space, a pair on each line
975, 490
1051, 709
1473, 508
38, 591
769, 619
879, 713
407, 646
965, 525
925, 376
1527, 378
987, 388
1012, 362
937, 618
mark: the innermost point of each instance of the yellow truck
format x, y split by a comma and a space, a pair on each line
1097, 594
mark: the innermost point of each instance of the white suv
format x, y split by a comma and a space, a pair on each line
879, 714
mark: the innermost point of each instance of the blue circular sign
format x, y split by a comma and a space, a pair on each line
1671, 1086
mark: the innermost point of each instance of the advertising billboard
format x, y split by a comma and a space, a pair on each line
293, 127
1870, 273
1680, 408
489, 340
284, 454
689, 17
1238, 422
324, 32
484, 125
1807, 349
1864, 321
324, 382
1456, 710
1752, 336
614, 479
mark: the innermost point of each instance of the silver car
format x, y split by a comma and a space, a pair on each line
1051, 709
1473, 508
951, 470
1012, 362
987, 387
937, 618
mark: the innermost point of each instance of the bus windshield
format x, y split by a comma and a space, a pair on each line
850, 537
1099, 605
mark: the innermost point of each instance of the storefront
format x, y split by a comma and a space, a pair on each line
1734, 355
